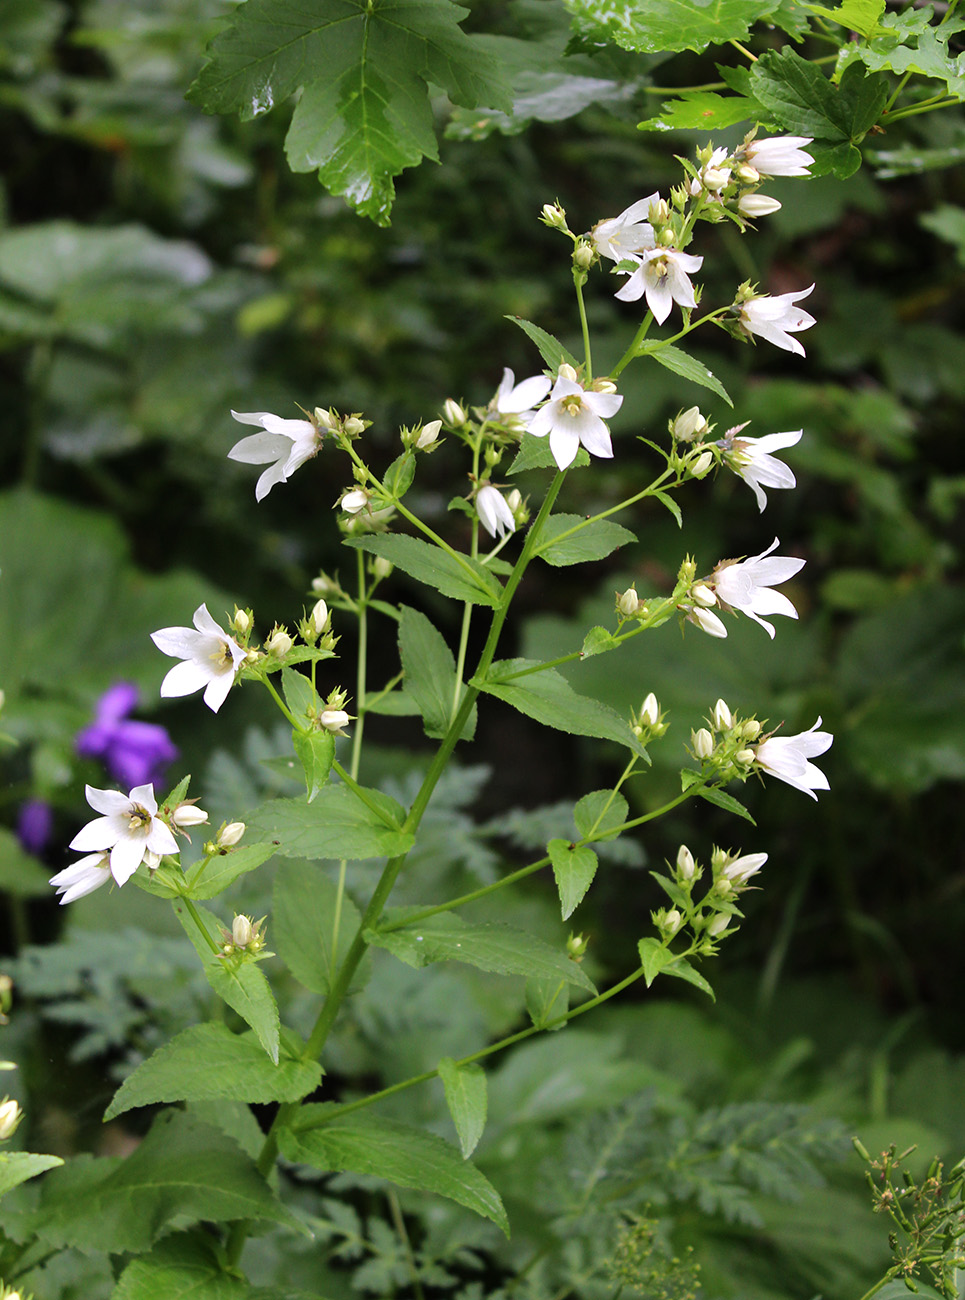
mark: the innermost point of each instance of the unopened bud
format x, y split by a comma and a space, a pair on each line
241, 622
723, 718
583, 254
672, 921
381, 567
553, 215
650, 710
744, 757
703, 743
428, 435
718, 925
747, 175
229, 835
186, 814
702, 464
604, 386
576, 946
751, 729
241, 931
566, 371
756, 205
689, 424
151, 859
665, 239
659, 212
702, 595
323, 585
353, 501
628, 602
452, 412
334, 719
741, 869
279, 643
10, 1117
323, 418
715, 178
319, 617
685, 863
514, 499
3, 698
353, 426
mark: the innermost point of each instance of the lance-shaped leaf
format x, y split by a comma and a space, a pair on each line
17, 1166
335, 825
183, 1169
313, 926
501, 949
463, 578
687, 367
574, 866
366, 1144
430, 673
544, 694
363, 68
227, 867
465, 1087
668, 26
206, 1062
569, 539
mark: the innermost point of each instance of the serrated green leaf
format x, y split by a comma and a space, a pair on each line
681, 969
805, 102
240, 984
205, 1062
501, 949
182, 1170
463, 579
184, 1266
600, 813
398, 477
857, 15
430, 673
364, 68
299, 694
17, 1167
727, 801
465, 1087
316, 753
224, 868
313, 926
654, 957
367, 1144
702, 111
337, 825
546, 1001
560, 546
598, 641
547, 696
910, 42
574, 867
550, 349
670, 504
687, 367
670, 25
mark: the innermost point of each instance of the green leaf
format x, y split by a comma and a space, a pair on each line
948, 223
682, 970
597, 642
398, 477
547, 696
550, 349
688, 367
910, 42
364, 69
727, 801
313, 926
670, 25
857, 15
299, 693
501, 949
395, 704
574, 867
546, 1001
654, 957
240, 984
600, 814
535, 453
594, 541
430, 673
702, 111
184, 1266
17, 1167
206, 1062
224, 868
337, 825
465, 1087
671, 505
182, 1170
367, 1144
463, 579
316, 753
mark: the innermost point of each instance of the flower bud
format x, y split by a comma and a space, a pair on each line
381, 567
604, 386
322, 418
583, 254
319, 617
10, 1117
715, 178
353, 426
659, 213
687, 570
672, 921
279, 643
334, 720
686, 867
554, 216
702, 464
650, 710
703, 743
747, 175
241, 622
428, 435
566, 371
756, 205
576, 946
151, 860
241, 931
689, 425
741, 869
718, 925
353, 501
3, 698
702, 595
744, 757
186, 814
723, 718
628, 602
666, 238
751, 729
229, 835
323, 585
452, 412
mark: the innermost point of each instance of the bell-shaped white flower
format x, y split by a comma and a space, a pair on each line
629, 233
130, 828
520, 399
494, 511
751, 460
211, 659
741, 869
575, 415
663, 276
745, 585
283, 445
776, 319
82, 877
756, 205
782, 155
786, 757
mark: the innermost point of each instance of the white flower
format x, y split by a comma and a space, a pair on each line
780, 156
707, 621
519, 399
573, 416
211, 659
283, 446
619, 237
663, 276
130, 828
10, 1117
741, 869
334, 720
751, 460
494, 512
82, 877
786, 758
713, 176
746, 585
756, 205
776, 319
353, 501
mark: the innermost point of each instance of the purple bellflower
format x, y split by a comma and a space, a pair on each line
134, 753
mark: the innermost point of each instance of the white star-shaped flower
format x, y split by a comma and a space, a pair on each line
572, 416
82, 877
283, 445
786, 757
746, 585
130, 828
519, 399
620, 237
782, 155
662, 275
776, 319
211, 659
751, 460
494, 512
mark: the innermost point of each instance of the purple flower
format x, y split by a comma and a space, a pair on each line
35, 823
134, 753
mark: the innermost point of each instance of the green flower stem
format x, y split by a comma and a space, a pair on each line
654, 487
363, 795
461, 659
928, 106
635, 342
202, 928
892, 1273
270, 687
360, 667
641, 333
578, 280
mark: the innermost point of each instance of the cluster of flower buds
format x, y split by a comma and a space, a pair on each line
728, 181
731, 748
713, 916
649, 723
246, 938
332, 716
316, 627
721, 747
